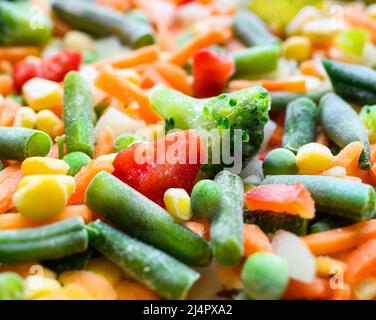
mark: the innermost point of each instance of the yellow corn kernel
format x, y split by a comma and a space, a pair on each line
130, 75
106, 269
365, 289
37, 286
297, 48
49, 123
41, 197
78, 40
327, 266
42, 94
314, 158
43, 165
107, 157
178, 203
25, 117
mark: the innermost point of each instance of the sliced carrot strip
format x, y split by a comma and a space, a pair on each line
358, 18
127, 290
15, 54
349, 157
341, 294
6, 84
105, 142
9, 179
309, 68
318, 289
8, 110
255, 240
341, 239
84, 177
297, 86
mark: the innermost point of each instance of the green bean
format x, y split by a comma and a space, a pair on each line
226, 233
77, 114
18, 143
205, 198
351, 200
343, 126
279, 161
76, 160
157, 270
77, 261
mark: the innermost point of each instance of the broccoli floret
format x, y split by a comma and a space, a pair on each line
245, 109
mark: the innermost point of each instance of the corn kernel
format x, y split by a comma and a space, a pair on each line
37, 286
49, 123
106, 269
314, 158
43, 165
365, 290
78, 40
42, 94
25, 117
110, 158
327, 266
297, 48
178, 203
130, 75
41, 197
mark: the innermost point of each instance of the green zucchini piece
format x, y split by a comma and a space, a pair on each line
226, 230
343, 126
339, 197
156, 269
143, 219
101, 21
300, 124
18, 143
54, 241
271, 222
77, 114
352, 82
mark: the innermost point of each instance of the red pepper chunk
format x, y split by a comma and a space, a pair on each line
25, 70
58, 65
171, 162
211, 72
294, 199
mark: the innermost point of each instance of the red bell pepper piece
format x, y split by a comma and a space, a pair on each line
211, 72
25, 70
58, 65
293, 199
171, 162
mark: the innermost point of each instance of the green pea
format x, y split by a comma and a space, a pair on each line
265, 276
76, 161
11, 286
279, 161
124, 141
205, 198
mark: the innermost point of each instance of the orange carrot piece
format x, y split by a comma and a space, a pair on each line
60, 28
10, 221
109, 81
84, 177
6, 84
255, 240
230, 276
196, 227
341, 294
202, 40
318, 289
15, 54
127, 290
349, 157
9, 179
176, 76
132, 58
296, 86
97, 286
105, 142
294, 199
120, 5
151, 77
361, 262
8, 110
309, 68
323, 139
341, 239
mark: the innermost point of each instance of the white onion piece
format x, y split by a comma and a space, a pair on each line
301, 262
118, 122
108, 47
253, 168
268, 132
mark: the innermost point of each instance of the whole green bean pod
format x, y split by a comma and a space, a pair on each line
77, 114
18, 143
300, 124
53, 241
251, 30
343, 126
226, 231
143, 219
101, 21
11, 286
152, 267
351, 200
256, 60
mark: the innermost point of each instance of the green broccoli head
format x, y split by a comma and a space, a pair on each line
245, 110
